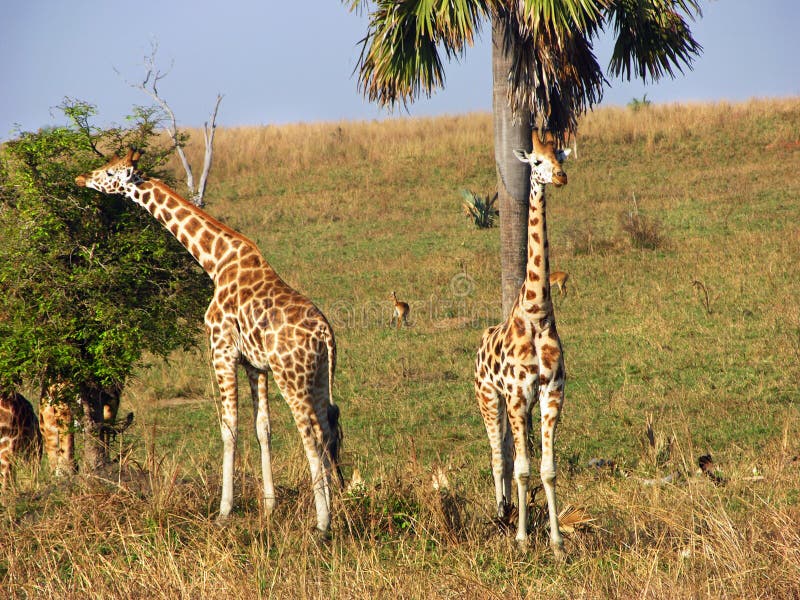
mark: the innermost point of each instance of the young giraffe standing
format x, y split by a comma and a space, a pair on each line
254, 319
523, 354
19, 433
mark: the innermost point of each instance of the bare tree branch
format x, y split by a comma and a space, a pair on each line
149, 86
209, 128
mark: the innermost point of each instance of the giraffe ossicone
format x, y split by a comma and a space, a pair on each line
520, 361
255, 319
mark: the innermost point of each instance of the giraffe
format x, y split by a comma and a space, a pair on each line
55, 423
524, 354
254, 319
19, 434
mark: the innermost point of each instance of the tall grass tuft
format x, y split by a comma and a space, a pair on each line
644, 232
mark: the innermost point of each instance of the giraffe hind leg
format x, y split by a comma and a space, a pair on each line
301, 399
263, 426
328, 415
493, 410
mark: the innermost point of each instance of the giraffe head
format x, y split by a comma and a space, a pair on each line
113, 177
545, 161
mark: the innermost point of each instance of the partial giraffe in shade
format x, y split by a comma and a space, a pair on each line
524, 354
19, 434
56, 425
254, 319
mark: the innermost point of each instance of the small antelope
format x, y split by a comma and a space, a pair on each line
401, 310
559, 278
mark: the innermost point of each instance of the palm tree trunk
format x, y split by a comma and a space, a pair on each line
513, 176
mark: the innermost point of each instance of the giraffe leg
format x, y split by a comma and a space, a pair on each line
258, 389
6, 454
551, 398
328, 415
225, 361
518, 423
493, 410
55, 424
299, 395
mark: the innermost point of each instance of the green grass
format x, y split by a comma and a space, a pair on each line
348, 213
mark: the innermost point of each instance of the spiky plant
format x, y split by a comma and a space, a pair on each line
482, 211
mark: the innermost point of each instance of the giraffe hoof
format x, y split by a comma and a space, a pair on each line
222, 520
521, 545
321, 536
558, 552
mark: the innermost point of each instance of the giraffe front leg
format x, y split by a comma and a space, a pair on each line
551, 399
263, 426
225, 370
518, 423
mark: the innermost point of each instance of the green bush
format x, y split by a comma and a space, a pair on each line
87, 283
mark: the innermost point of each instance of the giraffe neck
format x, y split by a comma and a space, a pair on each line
213, 244
534, 297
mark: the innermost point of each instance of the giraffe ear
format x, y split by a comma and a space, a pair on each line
134, 156
522, 155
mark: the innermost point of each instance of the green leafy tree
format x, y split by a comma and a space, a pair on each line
544, 72
87, 285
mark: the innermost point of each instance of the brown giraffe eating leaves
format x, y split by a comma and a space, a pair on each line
522, 355
255, 319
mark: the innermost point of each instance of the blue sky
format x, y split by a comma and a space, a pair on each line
293, 61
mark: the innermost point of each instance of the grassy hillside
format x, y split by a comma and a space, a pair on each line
349, 212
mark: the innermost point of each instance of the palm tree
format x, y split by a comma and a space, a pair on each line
544, 72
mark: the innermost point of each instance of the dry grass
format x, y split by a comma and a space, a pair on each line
661, 372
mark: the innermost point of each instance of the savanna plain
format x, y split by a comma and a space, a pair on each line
681, 332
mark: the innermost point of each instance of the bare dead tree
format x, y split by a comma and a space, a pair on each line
150, 87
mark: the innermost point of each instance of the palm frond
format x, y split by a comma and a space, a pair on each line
572, 517
554, 75
400, 55
653, 37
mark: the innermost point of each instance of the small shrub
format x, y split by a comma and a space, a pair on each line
636, 105
585, 240
482, 211
644, 232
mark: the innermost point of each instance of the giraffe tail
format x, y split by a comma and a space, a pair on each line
337, 435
